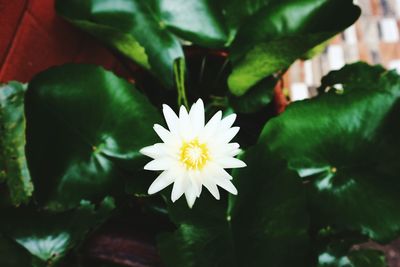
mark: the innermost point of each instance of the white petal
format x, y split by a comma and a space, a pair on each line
226, 136
195, 181
183, 114
225, 150
163, 133
215, 119
162, 181
190, 195
211, 186
179, 188
167, 149
171, 118
223, 173
228, 121
211, 126
230, 162
185, 128
159, 164
150, 151
216, 170
157, 151
234, 152
225, 184
196, 115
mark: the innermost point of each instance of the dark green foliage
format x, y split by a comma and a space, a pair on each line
85, 127
322, 177
261, 226
264, 36
346, 145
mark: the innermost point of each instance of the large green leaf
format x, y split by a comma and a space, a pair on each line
146, 31
265, 225
49, 236
347, 144
13, 165
85, 127
283, 31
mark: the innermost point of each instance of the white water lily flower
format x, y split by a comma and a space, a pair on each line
193, 153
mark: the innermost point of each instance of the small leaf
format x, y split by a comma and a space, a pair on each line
85, 127
49, 236
13, 165
359, 75
336, 257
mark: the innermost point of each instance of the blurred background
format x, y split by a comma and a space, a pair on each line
374, 39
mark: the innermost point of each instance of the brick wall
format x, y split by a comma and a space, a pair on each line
374, 39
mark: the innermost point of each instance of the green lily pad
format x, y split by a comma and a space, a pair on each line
346, 146
85, 127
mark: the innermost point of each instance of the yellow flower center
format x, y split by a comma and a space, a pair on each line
194, 155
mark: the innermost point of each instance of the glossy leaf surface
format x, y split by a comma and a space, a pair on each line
85, 127
275, 36
346, 145
49, 236
198, 21
147, 31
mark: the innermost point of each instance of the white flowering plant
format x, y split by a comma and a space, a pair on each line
191, 161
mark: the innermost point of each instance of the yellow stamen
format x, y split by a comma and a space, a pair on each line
194, 155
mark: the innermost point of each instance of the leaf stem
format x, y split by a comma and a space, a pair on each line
179, 75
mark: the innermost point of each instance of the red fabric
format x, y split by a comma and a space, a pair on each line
33, 38
9, 23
